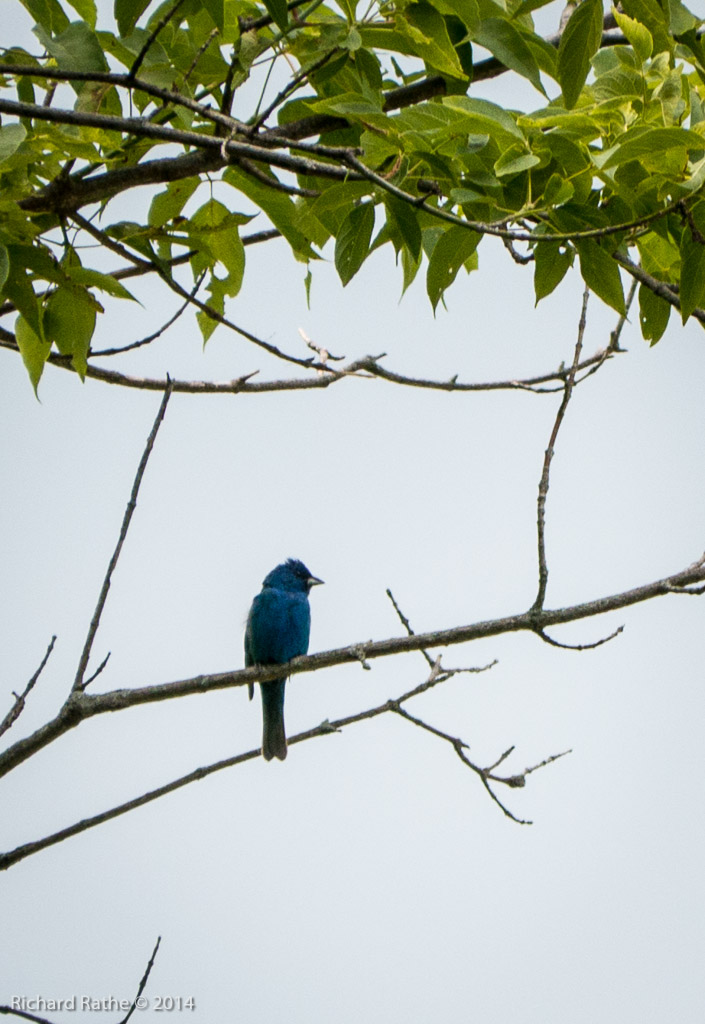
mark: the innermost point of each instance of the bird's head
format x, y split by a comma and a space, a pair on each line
291, 575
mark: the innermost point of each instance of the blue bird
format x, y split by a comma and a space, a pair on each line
278, 627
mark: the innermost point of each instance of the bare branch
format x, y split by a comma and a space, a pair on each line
545, 474
24, 1015
143, 982
486, 775
326, 728
124, 81
20, 698
367, 365
81, 706
156, 334
578, 647
97, 672
131, 505
407, 626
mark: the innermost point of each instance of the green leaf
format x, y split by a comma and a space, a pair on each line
692, 283
650, 14
637, 34
638, 145
453, 248
514, 160
680, 19
406, 220
216, 9
580, 41
169, 204
427, 31
85, 9
47, 13
653, 314
551, 266
104, 282
483, 117
410, 267
353, 242
33, 350
278, 11
527, 6
18, 289
213, 229
277, 206
206, 323
75, 49
4, 266
127, 14
466, 10
324, 216
11, 138
557, 191
601, 273
507, 44
70, 323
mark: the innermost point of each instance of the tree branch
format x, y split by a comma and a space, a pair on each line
81, 706
660, 288
131, 506
20, 698
326, 728
325, 377
548, 457
24, 1015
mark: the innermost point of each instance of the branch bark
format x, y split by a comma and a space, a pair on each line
82, 706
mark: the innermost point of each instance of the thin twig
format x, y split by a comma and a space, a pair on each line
407, 625
548, 456
578, 647
162, 23
298, 79
20, 698
210, 312
143, 982
486, 775
157, 334
131, 505
326, 728
24, 1015
97, 672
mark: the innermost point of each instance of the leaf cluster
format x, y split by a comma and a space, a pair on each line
360, 126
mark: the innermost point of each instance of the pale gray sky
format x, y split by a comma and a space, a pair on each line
369, 877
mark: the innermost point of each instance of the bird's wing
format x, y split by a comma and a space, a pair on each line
278, 627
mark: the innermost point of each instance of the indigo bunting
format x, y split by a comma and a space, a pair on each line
278, 627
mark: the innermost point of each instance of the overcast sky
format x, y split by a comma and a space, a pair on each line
369, 877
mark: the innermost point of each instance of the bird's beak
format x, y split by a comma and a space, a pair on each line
313, 581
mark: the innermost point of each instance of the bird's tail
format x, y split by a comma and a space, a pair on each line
273, 735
